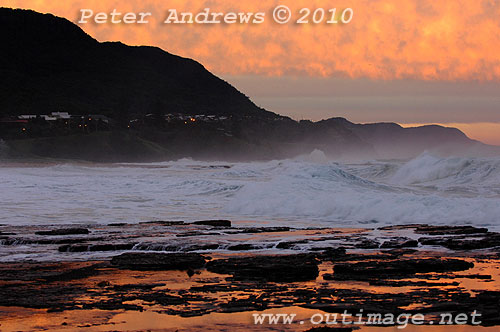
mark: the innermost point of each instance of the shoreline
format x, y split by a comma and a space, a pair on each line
308, 272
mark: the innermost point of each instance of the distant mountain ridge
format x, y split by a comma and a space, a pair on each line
391, 140
49, 64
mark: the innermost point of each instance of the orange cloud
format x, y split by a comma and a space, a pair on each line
387, 39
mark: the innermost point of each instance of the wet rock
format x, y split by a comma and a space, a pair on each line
397, 268
142, 287
214, 294
198, 247
400, 227
256, 230
74, 274
489, 304
68, 240
398, 283
164, 222
290, 244
33, 271
73, 248
367, 244
55, 298
113, 304
215, 223
490, 240
96, 247
243, 246
267, 230
397, 243
194, 233
165, 299
455, 244
252, 303
157, 247
332, 254
448, 230
15, 241
159, 261
432, 241
325, 238
179, 247
64, 231
398, 252
288, 268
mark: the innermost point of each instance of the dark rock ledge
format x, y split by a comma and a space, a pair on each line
286, 268
64, 231
158, 261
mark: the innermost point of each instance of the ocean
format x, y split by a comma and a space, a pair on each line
306, 191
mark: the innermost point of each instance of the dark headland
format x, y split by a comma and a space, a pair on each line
65, 95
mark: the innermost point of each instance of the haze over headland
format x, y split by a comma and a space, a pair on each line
473, 108
431, 62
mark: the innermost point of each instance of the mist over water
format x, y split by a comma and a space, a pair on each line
306, 191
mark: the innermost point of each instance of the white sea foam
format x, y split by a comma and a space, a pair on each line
482, 175
306, 191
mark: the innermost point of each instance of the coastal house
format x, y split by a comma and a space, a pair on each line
27, 117
98, 117
37, 116
61, 115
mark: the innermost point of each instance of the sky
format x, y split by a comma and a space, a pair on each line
407, 61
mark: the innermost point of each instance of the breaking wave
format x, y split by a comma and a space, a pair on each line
427, 189
308, 190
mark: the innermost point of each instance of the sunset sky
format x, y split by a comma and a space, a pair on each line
406, 61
